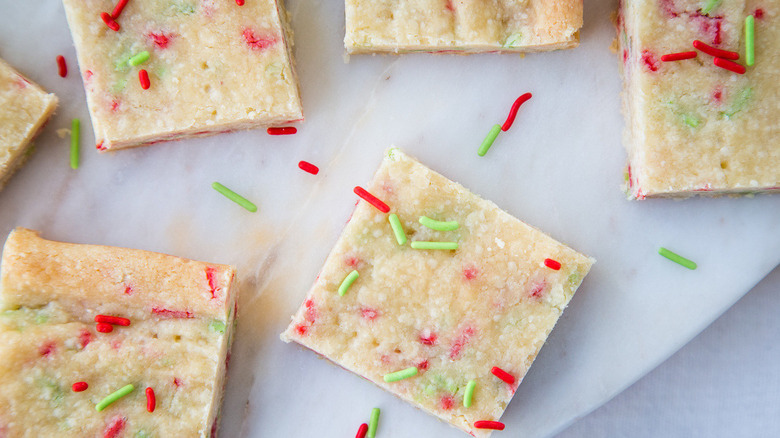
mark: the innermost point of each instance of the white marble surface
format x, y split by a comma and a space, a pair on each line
559, 169
724, 383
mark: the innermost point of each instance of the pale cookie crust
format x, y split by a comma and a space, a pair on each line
693, 128
214, 67
182, 314
461, 26
453, 314
24, 109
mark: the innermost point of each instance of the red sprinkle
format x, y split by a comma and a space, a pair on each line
120, 5
650, 61
113, 430
285, 130
213, 286
495, 425
62, 68
428, 338
729, 65
115, 320
552, 264
113, 25
143, 77
759, 13
371, 199
362, 430
104, 328
79, 386
678, 56
513, 112
726, 54
167, 313
85, 337
150, 399
503, 375
240, 2
255, 42
161, 40
447, 402
308, 167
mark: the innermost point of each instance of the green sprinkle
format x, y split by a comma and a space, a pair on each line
400, 375
438, 225
740, 102
709, 6
488, 141
40, 318
139, 58
691, 120
469, 393
398, 229
217, 326
235, 197
677, 258
750, 38
345, 285
372, 423
75, 133
111, 398
514, 40
434, 245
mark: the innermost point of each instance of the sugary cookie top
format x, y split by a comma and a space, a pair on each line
693, 126
461, 25
453, 315
212, 66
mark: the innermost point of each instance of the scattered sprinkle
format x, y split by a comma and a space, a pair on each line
139, 58
104, 328
678, 56
729, 65
552, 264
151, 401
113, 25
361, 433
503, 375
726, 54
75, 133
400, 375
240, 2
217, 326
235, 197
284, 130
372, 423
111, 398
513, 112
80, 386
120, 5
488, 141
677, 258
438, 225
398, 229
750, 37
495, 425
345, 285
469, 394
143, 78
419, 244
62, 67
709, 6
371, 199
308, 167
115, 320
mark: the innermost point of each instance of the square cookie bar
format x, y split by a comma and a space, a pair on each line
442, 317
461, 26
163, 332
24, 109
212, 66
700, 119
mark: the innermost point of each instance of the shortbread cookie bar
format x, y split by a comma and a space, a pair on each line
183, 68
434, 289
700, 96
461, 26
24, 109
110, 342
